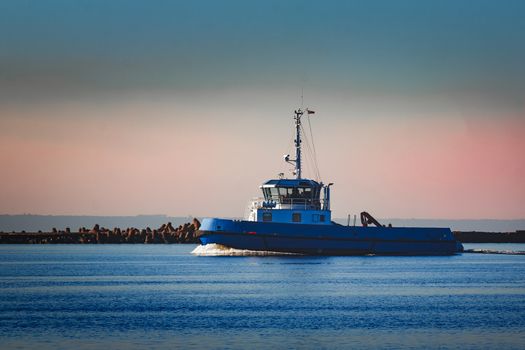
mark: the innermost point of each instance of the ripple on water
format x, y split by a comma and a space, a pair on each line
165, 296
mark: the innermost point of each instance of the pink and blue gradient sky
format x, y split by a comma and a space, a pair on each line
166, 107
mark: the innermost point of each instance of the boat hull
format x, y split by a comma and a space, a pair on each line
332, 239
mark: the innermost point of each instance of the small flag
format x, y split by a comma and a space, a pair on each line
310, 112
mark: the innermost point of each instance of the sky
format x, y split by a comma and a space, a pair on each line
186, 107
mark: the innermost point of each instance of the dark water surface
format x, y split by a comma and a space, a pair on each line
161, 296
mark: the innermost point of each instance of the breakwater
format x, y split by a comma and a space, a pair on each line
99, 235
490, 237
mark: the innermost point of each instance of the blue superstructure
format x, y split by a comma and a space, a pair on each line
294, 216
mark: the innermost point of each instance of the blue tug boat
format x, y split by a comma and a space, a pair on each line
294, 216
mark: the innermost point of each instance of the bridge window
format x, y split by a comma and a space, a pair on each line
296, 217
298, 192
291, 195
274, 192
307, 193
321, 218
267, 217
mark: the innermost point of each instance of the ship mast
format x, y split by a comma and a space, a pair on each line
297, 162
298, 114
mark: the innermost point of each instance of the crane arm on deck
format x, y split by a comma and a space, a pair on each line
367, 219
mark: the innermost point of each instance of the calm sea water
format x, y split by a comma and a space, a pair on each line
161, 296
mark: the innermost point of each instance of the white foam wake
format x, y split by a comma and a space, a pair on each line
213, 249
490, 251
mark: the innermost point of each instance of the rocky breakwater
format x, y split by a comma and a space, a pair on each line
490, 237
164, 234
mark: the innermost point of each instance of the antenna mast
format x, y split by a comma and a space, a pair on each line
298, 114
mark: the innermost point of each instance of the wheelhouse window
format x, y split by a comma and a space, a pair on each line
295, 194
308, 192
321, 217
296, 217
302, 193
267, 217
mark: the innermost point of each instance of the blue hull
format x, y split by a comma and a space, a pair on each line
328, 239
